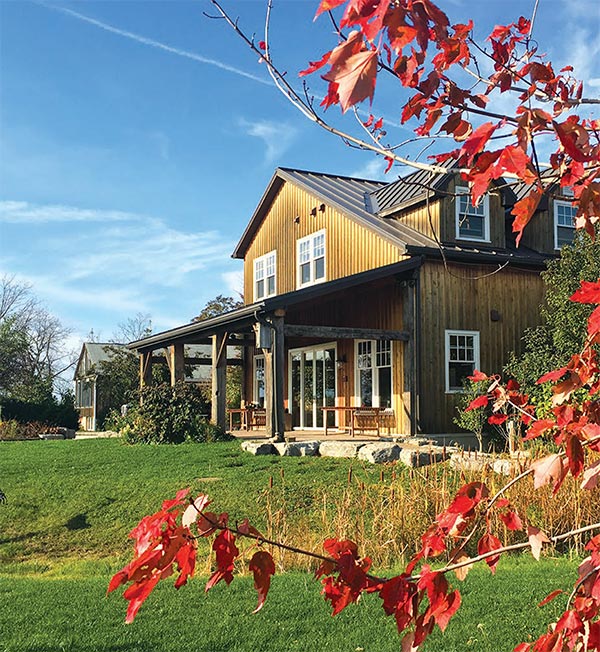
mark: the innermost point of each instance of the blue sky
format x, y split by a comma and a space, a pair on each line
136, 139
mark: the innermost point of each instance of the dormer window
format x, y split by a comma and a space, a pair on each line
265, 271
472, 222
564, 223
310, 254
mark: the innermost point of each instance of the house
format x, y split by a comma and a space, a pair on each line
365, 293
90, 400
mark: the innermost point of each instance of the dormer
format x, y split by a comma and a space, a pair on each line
440, 207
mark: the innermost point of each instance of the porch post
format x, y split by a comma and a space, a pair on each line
219, 380
278, 373
269, 416
409, 395
175, 358
145, 368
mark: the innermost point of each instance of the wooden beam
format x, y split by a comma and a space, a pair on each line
219, 380
175, 356
339, 332
145, 369
231, 362
278, 373
409, 363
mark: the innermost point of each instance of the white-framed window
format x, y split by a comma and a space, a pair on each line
258, 389
265, 276
564, 223
374, 373
310, 256
462, 358
472, 222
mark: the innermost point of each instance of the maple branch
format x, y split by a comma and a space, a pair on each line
581, 581
511, 548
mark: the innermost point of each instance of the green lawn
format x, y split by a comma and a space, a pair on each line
64, 531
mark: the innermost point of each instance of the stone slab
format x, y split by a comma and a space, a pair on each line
415, 457
259, 447
379, 452
297, 448
340, 448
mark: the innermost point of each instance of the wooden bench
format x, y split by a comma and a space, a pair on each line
373, 418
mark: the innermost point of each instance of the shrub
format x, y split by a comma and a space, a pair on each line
168, 415
49, 411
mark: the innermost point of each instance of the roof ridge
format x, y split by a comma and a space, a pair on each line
329, 174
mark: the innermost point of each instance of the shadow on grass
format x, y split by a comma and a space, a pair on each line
78, 522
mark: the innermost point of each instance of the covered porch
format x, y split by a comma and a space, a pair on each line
310, 358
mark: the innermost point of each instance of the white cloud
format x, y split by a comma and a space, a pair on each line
277, 136
374, 168
138, 38
22, 212
234, 282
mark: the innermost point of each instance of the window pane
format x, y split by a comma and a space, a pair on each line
304, 251
457, 373
471, 226
305, 273
385, 387
259, 269
384, 353
564, 236
319, 245
271, 265
366, 387
319, 268
260, 289
270, 285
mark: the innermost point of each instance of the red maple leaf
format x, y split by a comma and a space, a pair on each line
355, 78
523, 211
263, 567
488, 543
589, 292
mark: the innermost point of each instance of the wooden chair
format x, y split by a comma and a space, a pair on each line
387, 419
257, 419
366, 419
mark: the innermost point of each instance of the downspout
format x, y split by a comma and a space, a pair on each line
278, 428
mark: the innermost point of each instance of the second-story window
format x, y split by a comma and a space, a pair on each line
564, 223
472, 222
265, 272
311, 259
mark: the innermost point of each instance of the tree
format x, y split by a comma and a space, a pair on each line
133, 328
218, 306
33, 345
396, 38
563, 330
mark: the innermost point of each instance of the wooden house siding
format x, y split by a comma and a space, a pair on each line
457, 300
350, 248
539, 233
424, 218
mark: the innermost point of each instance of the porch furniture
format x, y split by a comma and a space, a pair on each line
247, 418
373, 418
348, 413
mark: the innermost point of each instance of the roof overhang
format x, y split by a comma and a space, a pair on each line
243, 319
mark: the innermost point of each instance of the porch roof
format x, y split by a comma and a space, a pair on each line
242, 319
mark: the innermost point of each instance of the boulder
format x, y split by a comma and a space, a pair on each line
297, 448
49, 436
258, 447
414, 457
339, 448
379, 452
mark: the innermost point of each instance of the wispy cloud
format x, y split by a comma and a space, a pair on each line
22, 212
144, 40
234, 282
277, 136
374, 168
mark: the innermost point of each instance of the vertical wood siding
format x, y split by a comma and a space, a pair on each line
455, 300
350, 248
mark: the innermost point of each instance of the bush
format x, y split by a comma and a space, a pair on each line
168, 415
49, 411
12, 430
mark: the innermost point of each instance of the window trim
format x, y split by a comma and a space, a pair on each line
476, 351
374, 377
310, 238
462, 191
556, 204
264, 259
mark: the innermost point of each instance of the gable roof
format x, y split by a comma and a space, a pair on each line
97, 352
349, 195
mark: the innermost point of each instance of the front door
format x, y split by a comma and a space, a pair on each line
312, 385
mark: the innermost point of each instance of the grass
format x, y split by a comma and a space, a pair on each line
71, 504
68, 612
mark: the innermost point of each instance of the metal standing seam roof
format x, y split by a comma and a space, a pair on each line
349, 195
